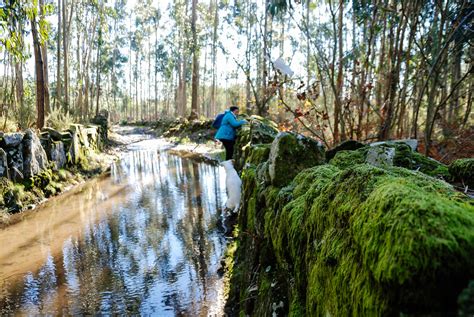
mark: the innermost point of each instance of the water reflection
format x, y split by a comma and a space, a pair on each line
143, 241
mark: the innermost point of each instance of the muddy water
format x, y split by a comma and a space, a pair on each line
144, 240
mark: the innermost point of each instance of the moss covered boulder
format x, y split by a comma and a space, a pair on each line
462, 170
387, 154
349, 238
364, 241
258, 153
290, 153
257, 131
35, 159
349, 145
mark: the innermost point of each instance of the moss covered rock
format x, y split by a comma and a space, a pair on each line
257, 131
374, 241
35, 159
462, 170
389, 154
258, 153
349, 145
291, 153
344, 159
349, 238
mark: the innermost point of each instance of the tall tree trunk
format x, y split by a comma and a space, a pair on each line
39, 76
65, 53
392, 77
97, 85
213, 109
79, 103
380, 83
156, 70
44, 55
204, 104
248, 93
453, 111
468, 113
403, 121
195, 52
20, 95
58, 59
308, 44
340, 71
262, 107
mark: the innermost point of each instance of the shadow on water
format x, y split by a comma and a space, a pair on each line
143, 241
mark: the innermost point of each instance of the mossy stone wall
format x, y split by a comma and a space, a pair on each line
33, 166
349, 238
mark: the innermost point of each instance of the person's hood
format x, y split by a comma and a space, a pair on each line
231, 113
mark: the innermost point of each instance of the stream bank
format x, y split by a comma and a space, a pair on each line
37, 166
145, 239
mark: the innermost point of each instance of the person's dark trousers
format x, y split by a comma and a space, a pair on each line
229, 148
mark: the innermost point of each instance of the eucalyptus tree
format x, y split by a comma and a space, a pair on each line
401, 65
12, 20
116, 59
195, 53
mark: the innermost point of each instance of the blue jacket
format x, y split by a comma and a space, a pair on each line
228, 126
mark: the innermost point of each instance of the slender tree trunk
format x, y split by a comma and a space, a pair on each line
468, 113
98, 66
156, 70
39, 76
214, 55
65, 53
453, 111
392, 76
308, 44
380, 83
20, 95
44, 55
58, 57
203, 80
340, 71
195, 52
262, 107
79, 103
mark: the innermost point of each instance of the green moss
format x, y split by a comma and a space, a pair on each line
258, 153
348, 238
429, 166
250, 196
462, 170
344, 159
14, 196
291, 153
372, 237
404, 157
258, 131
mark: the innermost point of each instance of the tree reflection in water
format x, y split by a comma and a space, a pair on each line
155, 251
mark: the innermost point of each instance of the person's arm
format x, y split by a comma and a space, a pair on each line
234, 122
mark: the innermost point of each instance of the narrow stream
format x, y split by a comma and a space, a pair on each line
144, 240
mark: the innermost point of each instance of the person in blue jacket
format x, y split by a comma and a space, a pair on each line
226, 133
